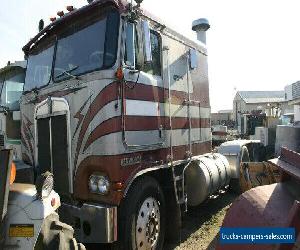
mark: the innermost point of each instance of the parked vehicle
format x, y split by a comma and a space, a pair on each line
219, 134
272, 201
28, 213
12, 79
249, 122
271, 189
116, 106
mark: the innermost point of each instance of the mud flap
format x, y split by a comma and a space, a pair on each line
56, 235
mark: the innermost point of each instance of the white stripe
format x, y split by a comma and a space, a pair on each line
147, 108
142, 108
112, 144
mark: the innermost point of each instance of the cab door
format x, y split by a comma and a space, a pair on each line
143, 91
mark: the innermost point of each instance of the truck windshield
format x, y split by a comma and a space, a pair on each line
39, 66
12, 88
83, 46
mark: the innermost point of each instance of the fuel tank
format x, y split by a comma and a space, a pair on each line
205, 175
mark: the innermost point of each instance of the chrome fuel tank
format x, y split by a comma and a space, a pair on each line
206, 175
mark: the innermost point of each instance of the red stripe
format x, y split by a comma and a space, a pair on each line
142, 123
112, 125
108, 94
111, 165
138, 92
158, 94
80, 116
144, 92
219, 133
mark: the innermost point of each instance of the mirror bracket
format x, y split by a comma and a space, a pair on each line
193, 59
146, 41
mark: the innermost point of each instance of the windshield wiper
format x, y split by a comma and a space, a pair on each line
68, 73
35, 90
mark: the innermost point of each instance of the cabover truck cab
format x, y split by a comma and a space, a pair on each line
116, 106
12, 79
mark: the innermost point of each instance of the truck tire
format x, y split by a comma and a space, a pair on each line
56, 235
142, 216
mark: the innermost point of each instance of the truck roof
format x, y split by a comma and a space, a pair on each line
20, 64
121, 5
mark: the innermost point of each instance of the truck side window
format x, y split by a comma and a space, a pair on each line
154, 68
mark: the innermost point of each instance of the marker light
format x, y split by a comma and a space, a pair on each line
70, 8
118, 186
53, 202
60, 13
119, 74
13, 172
52, 19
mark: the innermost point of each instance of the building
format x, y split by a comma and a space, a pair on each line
292, 96
222, 117
248, 101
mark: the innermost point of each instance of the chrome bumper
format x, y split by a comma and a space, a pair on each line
92, 223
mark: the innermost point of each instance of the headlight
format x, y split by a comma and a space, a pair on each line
99, 184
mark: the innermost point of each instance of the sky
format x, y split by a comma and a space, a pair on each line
252, 45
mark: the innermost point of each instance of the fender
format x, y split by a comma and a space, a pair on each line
141, 173
25, 210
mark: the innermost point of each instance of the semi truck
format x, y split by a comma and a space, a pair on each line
116, 106
12, 79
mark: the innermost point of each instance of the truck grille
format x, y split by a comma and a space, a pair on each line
53, 150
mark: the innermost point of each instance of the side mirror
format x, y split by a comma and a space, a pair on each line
193, 59
130, 45
146, 42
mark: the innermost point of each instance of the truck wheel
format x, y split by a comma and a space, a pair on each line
143, 216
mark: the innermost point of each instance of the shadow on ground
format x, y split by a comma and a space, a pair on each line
198, 219
206, 217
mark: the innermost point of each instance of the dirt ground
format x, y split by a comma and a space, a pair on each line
201, 224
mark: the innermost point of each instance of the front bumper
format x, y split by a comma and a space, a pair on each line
92, 223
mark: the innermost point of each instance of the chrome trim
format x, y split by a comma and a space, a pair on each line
50, 144
51, 115
102, 220
50, 112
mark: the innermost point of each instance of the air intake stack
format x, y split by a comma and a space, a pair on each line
201, 26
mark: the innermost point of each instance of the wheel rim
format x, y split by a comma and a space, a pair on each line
148, 224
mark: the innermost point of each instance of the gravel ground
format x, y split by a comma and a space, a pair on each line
201, 224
